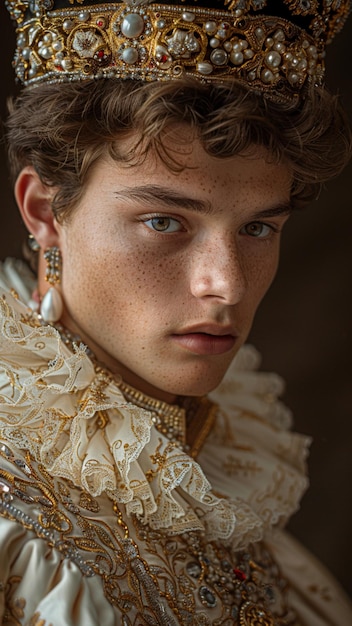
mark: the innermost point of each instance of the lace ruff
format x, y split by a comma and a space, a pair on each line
77, 423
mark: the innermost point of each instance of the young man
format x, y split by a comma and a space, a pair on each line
155, 208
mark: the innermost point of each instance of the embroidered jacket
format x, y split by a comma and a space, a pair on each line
105, 521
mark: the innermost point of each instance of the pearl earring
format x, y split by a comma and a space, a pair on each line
52, 306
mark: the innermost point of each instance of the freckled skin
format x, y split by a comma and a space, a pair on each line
128, 288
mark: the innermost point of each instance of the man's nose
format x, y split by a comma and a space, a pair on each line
217, 271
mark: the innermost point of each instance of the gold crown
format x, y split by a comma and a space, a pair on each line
211, 40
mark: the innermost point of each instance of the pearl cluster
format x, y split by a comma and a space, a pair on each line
160, 42
53, 269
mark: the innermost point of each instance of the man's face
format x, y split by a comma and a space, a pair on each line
163, 271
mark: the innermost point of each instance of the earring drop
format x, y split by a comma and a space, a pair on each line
52, 306
33, 244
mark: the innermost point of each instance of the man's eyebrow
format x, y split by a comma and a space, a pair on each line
284, 208
155, 194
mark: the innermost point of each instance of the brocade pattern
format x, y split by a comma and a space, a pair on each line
178, 580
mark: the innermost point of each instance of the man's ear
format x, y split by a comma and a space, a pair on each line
34, 201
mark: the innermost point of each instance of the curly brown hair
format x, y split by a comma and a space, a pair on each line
62, 130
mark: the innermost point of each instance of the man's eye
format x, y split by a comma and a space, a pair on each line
258, 229
163, 224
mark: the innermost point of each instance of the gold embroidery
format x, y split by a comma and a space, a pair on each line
99, 550
30, 319
94, 394
245, 586
150, 577
86, 501
250, 616
14, 609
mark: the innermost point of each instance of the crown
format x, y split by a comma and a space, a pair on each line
275, 47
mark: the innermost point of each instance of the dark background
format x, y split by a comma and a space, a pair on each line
302, 328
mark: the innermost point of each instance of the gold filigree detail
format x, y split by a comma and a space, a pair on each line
302, 7
229, 585
86, 501
30, 319
251, 615
171, 579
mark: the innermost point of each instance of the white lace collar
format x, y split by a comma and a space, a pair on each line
79, 425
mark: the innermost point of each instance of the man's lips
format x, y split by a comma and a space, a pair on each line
207, 339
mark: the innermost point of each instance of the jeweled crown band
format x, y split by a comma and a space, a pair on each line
162, 42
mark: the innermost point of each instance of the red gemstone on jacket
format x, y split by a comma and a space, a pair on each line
239, 574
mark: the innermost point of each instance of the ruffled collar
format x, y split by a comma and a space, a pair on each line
77, 423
